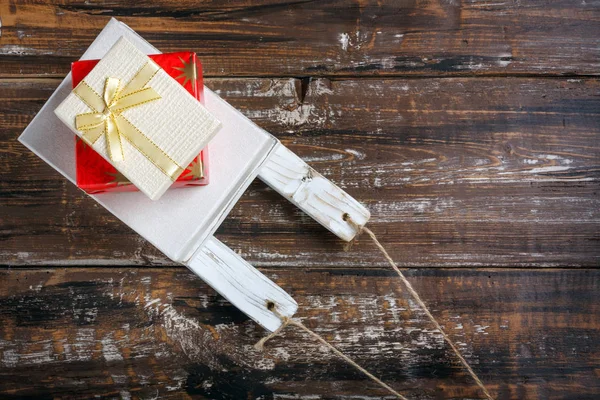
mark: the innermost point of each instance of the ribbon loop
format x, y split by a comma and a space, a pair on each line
106, 118
88, 121
111, 90
134, 99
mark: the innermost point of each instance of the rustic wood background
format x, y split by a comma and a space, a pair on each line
469, 128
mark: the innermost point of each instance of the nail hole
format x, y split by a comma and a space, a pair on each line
270, 305
346, 216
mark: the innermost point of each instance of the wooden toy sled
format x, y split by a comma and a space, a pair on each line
181, 224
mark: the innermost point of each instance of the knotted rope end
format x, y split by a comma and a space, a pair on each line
359, 229
260, 345
285, 321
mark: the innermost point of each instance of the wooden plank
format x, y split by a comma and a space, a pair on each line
241, 284
162, 332
455, 172
303, 38
311, 192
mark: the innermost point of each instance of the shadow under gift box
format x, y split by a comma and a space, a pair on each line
96, 175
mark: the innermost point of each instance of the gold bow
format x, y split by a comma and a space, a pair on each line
107, 118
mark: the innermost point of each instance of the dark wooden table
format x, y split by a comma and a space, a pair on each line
469, 128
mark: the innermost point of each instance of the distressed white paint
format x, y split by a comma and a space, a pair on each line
110, 351
291, 177
240, 283
344, 41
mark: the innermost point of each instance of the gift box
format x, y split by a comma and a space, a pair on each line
138, 118
96, 175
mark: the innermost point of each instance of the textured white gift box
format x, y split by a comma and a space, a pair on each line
181, 220
177, 123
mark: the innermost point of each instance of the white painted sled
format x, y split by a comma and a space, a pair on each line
181, 224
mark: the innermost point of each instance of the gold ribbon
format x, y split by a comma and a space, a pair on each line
107, 118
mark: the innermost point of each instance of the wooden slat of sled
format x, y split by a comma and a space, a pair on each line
456, 172
147, 332
332, 38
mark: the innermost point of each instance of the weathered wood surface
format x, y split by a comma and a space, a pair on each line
318, 38
143, 333
321, 199
241, 284
455, 172
470, 130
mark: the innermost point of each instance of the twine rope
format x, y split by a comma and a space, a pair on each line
285, 321
417, 298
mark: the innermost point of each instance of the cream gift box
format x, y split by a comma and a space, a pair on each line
155, 136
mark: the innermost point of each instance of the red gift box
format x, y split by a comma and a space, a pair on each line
96, 175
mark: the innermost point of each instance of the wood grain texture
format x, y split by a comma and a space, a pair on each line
470, 130
455, 172
241, 284
318, 38
75, 333
311, 192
